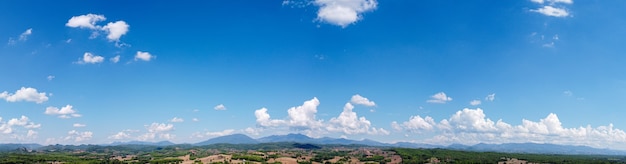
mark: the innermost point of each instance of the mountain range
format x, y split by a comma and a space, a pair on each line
299, 138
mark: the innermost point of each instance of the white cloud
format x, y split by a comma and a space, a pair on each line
115, 30
31, 134
552, 11
299, 118
85, 21
360, 100
253, 131
89, 58
77, 136
220, 133
145, 56
65, 112
115, 59
195, 119
475, 102
471, 120
77, 125
553, 1
50, 77
439, 98
343, 12
415, 124
120, 136
220, 107
158, 128
471, 126
490, 97
302, 118
22, 37
23, 121
263, 119
25, 94
349, 123
396, 126
25, 34
537, 1
176, 119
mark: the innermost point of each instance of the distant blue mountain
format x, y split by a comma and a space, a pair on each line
288, 138
23, 147
230, 139
509, 147
537, 148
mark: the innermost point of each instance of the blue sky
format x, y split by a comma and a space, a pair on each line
438, 72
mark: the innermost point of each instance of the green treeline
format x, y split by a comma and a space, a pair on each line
456, 156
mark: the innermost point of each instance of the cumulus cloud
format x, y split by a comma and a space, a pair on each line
25, 94
77, 136
24, 122
31, 134
439, 98
471, 126
85, 21
176, 119
50, 77
195, 119
343, 12
157, 129
360, 100
263, 119
553, 1
552, 11
145, 56
89, 58
115, 30
65, 112
303, 118
349, 123
475, 102
415, 124
299, 118
120, 135
77, 125
220, 107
